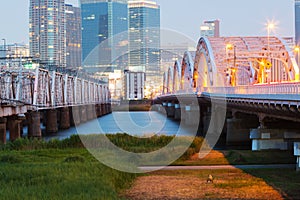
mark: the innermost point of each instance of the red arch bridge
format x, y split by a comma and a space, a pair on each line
255, 80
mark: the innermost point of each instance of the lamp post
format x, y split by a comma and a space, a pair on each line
297, 49
270, 26
233, 69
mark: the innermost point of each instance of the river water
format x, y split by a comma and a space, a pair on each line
133, 123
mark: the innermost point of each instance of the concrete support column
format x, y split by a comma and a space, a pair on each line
192, 115
91, 112
165, 106
297, 154
107, 106
3, 130
103, 109
238, 131
98, 110
64, 122
83, 112
14, 128
34, 125
51, 124
170, 109
74, 115
177, 114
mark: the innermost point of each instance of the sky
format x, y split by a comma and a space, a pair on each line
237, 17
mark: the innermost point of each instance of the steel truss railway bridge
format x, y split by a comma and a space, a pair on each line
254, 79
59, 100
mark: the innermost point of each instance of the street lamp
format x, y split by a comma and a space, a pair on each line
297, 49
270, 26
233, 70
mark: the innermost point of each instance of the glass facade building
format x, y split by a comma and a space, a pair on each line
297, 22
144, 40
102, 20
47, 31
73, 36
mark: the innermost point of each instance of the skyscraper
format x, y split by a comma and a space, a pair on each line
297, 22
47, 31
73, 36
144, 39
210, 28
102, 20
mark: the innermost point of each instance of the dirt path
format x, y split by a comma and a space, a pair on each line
189, 185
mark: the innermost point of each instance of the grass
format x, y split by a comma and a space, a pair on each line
35, 169
241, 157
58, 174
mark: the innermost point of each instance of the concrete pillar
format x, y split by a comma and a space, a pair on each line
170, 109
238, 132
192, 115
83, 114
3, 130
51, 124
103, 109
98, 110
107, 107
13, 124
91, 112
297, 154
64, 122
74, 113
164, 105
177, 114
34, 125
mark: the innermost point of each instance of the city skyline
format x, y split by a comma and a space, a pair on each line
255, 16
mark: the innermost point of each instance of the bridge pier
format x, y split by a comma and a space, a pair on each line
64, 121
51, 124
274, 134
34, 125
103, 109
14, 127
177, 113
191, 115
98, 110
238, 129
3, 130
170, 109
83, 114
74, 113
91, 112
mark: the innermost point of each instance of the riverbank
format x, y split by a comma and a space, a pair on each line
36, 169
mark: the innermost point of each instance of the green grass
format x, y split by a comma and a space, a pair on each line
58, 174
287, 181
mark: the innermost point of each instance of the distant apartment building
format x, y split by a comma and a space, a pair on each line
102, 21
73, 36
144, 40
47, 31
134, 85
210, 28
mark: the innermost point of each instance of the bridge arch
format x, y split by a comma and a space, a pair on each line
187, 71
177, 76
170, 82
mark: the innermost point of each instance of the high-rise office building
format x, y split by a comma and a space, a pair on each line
144, 40
47, 32
297, 22
73, 36
210, 28
102, 20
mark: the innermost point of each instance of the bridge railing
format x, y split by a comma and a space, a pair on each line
288, 88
